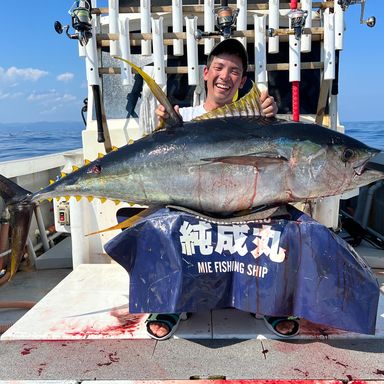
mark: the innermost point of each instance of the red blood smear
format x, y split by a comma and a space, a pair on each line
27, 351
129, 325
318, 330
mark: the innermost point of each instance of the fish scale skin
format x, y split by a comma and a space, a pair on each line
215, 166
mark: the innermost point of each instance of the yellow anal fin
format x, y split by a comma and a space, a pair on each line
129, 222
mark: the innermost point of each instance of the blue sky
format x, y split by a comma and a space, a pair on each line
43, 79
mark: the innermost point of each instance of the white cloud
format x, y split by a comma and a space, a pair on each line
50, 97
66, 98
10, 95
41, 96
49, 111
13, 73
65, 77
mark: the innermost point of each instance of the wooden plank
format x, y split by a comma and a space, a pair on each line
200, 8
103, 37
251, 68
325, 88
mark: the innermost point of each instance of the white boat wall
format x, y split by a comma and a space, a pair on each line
85, 317
161, 37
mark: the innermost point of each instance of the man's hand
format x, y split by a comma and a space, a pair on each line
268, 104
162, 115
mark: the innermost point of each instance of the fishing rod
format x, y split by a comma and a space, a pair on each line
81, 15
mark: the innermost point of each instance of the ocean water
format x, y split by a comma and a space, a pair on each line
18, 141
24, 140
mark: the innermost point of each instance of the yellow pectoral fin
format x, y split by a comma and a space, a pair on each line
174, 118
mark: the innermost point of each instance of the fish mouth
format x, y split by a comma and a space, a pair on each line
360, 168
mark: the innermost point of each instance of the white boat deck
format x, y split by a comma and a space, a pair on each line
80, 330
92, 303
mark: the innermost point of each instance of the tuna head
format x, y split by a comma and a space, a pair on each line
330, 165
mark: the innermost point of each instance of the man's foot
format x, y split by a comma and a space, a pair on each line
284, 327
161, 326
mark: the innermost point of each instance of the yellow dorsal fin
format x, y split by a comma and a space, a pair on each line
103, 199
130, 141
86, 161
49, 199
78, 198
117, 202
129, 222
67, 198
58, 198
114, 148
63, 174
90, 198
100, 155
51, 182
248, 105
75, 168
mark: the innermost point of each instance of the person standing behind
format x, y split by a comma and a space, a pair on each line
224, 74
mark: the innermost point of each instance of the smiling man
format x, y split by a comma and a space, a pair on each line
224, 75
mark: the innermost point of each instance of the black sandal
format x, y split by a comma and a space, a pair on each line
273, 321
169, 320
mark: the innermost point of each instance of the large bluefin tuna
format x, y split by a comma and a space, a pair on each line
218, 165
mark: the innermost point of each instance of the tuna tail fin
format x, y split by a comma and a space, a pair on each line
174, 118
20, 207
10, 191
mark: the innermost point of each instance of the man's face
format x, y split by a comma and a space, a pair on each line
224, 77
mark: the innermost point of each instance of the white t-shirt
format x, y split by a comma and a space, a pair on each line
189, 113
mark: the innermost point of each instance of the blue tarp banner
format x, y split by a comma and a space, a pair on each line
291, 265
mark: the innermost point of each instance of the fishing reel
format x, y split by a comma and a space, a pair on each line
226, 20
81, 22
225, 23
344, 4
298, 17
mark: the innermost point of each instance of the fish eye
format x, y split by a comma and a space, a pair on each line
347, 155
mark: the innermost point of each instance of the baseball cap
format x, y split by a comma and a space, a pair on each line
231, 46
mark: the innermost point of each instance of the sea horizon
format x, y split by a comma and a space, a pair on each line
20, 140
